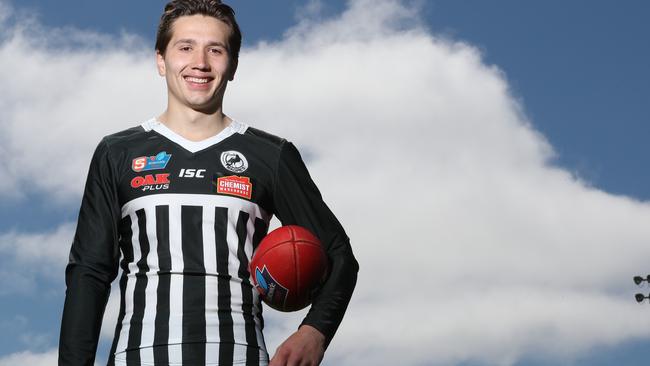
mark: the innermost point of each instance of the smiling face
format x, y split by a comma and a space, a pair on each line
197, 63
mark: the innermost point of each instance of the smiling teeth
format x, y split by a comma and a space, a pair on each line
196, 80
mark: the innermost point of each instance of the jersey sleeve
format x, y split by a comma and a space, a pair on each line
93, 263
297, 201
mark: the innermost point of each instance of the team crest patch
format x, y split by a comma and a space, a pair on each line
234, 161
235, 186
144, 163
270, 289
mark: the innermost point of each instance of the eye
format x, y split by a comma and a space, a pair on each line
216, 50
185, 48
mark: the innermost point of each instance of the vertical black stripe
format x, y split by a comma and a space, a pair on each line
120, 319
252, 351
226, 333
193, 282
261, 228
161, 331
127, 252
135, 331
126, 243
192, 239
260, 232
162, 234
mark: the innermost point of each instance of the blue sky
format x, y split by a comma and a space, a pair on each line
577, 69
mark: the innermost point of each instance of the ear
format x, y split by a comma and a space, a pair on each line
160, 63
233, 69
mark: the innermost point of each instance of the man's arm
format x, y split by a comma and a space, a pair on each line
298, 201
93, 264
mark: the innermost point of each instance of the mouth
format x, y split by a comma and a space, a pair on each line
198, 80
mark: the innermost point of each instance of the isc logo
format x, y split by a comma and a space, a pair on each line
192, 173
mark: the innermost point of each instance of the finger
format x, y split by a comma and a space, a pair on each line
283, 357
296, 358
279, 359
306, 362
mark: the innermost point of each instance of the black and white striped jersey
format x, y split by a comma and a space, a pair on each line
182, 219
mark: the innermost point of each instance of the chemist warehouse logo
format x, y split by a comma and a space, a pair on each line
233, 185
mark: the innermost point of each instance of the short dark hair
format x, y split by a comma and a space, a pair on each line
213, 8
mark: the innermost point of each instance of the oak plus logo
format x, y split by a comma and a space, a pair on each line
192, 173
151, 182
234, 161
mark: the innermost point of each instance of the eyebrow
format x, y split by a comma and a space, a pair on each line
193, 42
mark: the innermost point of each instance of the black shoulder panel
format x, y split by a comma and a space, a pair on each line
265, 137
125, 136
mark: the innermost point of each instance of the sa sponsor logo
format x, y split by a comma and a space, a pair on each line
192, 173
151, 182
234, 161
144, 163
233, 185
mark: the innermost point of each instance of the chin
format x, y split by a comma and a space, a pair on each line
207, 106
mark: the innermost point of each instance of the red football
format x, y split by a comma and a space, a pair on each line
287, 266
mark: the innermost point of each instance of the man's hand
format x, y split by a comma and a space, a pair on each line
305, 347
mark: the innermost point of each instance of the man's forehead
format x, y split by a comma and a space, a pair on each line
200, 28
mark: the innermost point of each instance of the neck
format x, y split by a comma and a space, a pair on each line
194, 125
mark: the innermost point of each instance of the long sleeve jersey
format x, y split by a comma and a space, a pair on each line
182, 220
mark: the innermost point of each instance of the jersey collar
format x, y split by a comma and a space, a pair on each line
154, 124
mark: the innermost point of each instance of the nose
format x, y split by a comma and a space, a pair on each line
201, 61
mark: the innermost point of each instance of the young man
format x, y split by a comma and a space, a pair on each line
184, 199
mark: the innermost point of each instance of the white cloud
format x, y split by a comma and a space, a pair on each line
47, 249
60, 96
472, 245
29, 258
48, 358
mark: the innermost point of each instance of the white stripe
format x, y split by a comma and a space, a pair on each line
205, 200
239, 352
210, 263
130, 285
120, 362
152, 235
264, 357
175, 238
212, 354
175, 315
146, 356
175, 354
149, 318
235, 282
176, 281
194, 146
209, 247
248, 244
211, 309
